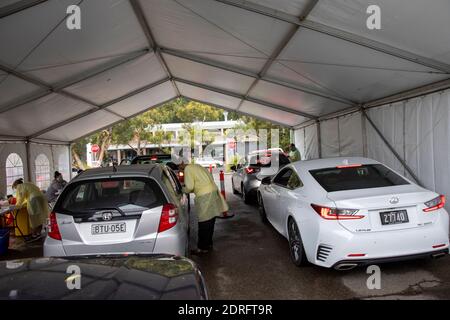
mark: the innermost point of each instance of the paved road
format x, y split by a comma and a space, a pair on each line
251, 261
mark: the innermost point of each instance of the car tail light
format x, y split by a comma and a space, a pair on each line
435, 204
169, 217
153, 158
53, 229
335, 213
181, 176
353, 255
250, 170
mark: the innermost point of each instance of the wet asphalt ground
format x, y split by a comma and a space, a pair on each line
251, 260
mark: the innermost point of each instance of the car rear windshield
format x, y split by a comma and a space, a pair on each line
122, 194
352, 178
265, 160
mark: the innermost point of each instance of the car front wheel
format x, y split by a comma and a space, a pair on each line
245, 195
262, 210
232, 187
296, 248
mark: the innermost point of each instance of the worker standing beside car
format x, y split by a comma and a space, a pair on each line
209, 203
294, 154
29, 196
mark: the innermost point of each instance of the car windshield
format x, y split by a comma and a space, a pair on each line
359, 177
121, 194
264, 160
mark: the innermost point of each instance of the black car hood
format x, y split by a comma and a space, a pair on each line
102, 278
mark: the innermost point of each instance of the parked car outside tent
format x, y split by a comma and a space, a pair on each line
125, 209
114, 277
252, 169
209, 162
345, 212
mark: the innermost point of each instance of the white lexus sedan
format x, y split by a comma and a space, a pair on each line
345, 212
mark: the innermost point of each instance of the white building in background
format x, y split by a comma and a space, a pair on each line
221, 148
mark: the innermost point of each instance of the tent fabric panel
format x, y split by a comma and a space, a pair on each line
82, 126
213, 27
390, 121
144, 100
243, 62
329, 133
6, 148
108, 28
54, 75
269, 113
426, 23
37, 115
368, 74
299, 141
121, 80
219, 99
295, 99
350, 135
13, 89
204, 74
30, 26
311, 145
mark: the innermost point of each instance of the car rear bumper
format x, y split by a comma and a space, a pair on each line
337, 245
350, 264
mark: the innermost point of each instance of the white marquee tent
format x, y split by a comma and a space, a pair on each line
312, 65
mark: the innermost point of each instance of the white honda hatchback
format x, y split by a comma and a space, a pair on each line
346, 212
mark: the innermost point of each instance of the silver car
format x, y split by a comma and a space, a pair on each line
125, 209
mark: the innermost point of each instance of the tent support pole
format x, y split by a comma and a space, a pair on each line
394, 152
319, 139
28, 159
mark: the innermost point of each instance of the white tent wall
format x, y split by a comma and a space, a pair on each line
58, 157
418, 129
7, 148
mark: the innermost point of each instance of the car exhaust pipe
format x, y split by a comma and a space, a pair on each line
345, 266
438, 255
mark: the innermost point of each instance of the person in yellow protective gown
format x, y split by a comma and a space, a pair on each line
29, 196
209, 203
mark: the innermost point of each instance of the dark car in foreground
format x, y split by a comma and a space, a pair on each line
251, 169
121, 277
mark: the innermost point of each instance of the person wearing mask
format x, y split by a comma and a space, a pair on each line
209, 203
55, 187
294, 154
29, 196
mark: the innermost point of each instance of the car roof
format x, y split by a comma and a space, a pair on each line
331, 162
153, 170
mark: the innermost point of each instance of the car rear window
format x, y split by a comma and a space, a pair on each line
353, 178
264, 160
122, 194
153, 159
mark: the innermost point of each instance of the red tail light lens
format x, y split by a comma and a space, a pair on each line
250, 170
53, 229
181, 176
169, 217
335, 213
435, 204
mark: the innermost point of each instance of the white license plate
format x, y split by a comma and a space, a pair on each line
394, 217
106, 228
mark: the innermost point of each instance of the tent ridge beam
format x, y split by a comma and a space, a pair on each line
137, 8
340, 34
241, 97
98, 108
59, 87
279, 49
218, 65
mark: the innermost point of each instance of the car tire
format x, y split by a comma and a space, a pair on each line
245, 195
296, 248
232, 187
262, 210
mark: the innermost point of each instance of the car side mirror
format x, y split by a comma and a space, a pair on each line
233, 168
266, 181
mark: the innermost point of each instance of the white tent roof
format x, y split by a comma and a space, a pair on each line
287, 61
